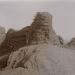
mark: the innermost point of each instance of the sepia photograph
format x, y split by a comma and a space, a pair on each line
37, 37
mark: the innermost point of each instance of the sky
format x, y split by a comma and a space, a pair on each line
18, 14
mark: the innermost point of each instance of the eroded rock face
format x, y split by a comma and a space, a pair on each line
39, 32
44, 32
41, 28
22, 57
27, 58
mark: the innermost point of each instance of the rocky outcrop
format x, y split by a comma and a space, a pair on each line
40, 31
29, 51
21, 57
44, 31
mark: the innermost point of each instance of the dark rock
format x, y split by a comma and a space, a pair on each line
40, 31
10, 31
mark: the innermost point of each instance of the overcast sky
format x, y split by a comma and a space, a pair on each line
20, 14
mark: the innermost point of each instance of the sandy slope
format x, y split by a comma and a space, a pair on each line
51, 61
